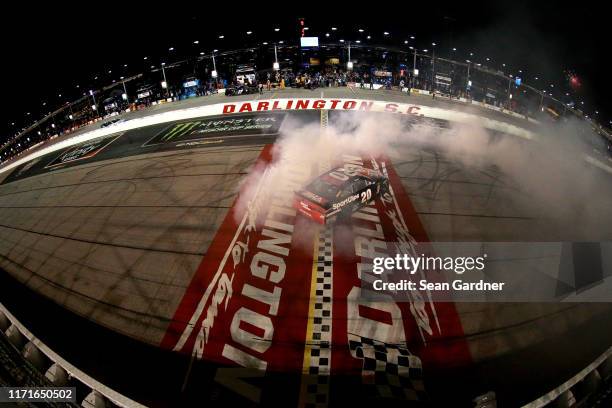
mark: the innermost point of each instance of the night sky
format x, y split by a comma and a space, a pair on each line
49, 50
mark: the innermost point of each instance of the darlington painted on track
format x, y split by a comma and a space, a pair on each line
338, 193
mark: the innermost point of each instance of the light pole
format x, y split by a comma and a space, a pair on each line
509, 94
433, 65
415, 72
214, 71
95, 105
165, 83
349, 63
276, 65
125, 94
469, 82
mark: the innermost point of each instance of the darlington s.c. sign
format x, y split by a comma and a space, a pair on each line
330, 104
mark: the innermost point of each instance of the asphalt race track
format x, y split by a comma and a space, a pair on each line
181, 237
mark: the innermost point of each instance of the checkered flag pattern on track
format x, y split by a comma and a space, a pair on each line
392, 369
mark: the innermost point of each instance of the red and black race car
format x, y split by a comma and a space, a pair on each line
338, 193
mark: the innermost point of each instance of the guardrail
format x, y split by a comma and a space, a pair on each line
578, 390
54, 370
585, 389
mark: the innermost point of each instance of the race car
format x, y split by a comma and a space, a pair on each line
339, 193
240, 90
112, 122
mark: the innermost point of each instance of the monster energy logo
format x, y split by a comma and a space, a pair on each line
261, 124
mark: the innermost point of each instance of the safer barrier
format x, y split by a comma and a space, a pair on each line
581, 389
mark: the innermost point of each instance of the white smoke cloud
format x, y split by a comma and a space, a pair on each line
553, 183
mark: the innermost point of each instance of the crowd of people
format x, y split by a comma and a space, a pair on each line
312, 79
364, 77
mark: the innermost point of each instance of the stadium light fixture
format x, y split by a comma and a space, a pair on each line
277, 29
249, 32
405, 41
386, 33
221, 37
454, 49
412, 37
334, 28
171, 49
327, 34
361, 30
